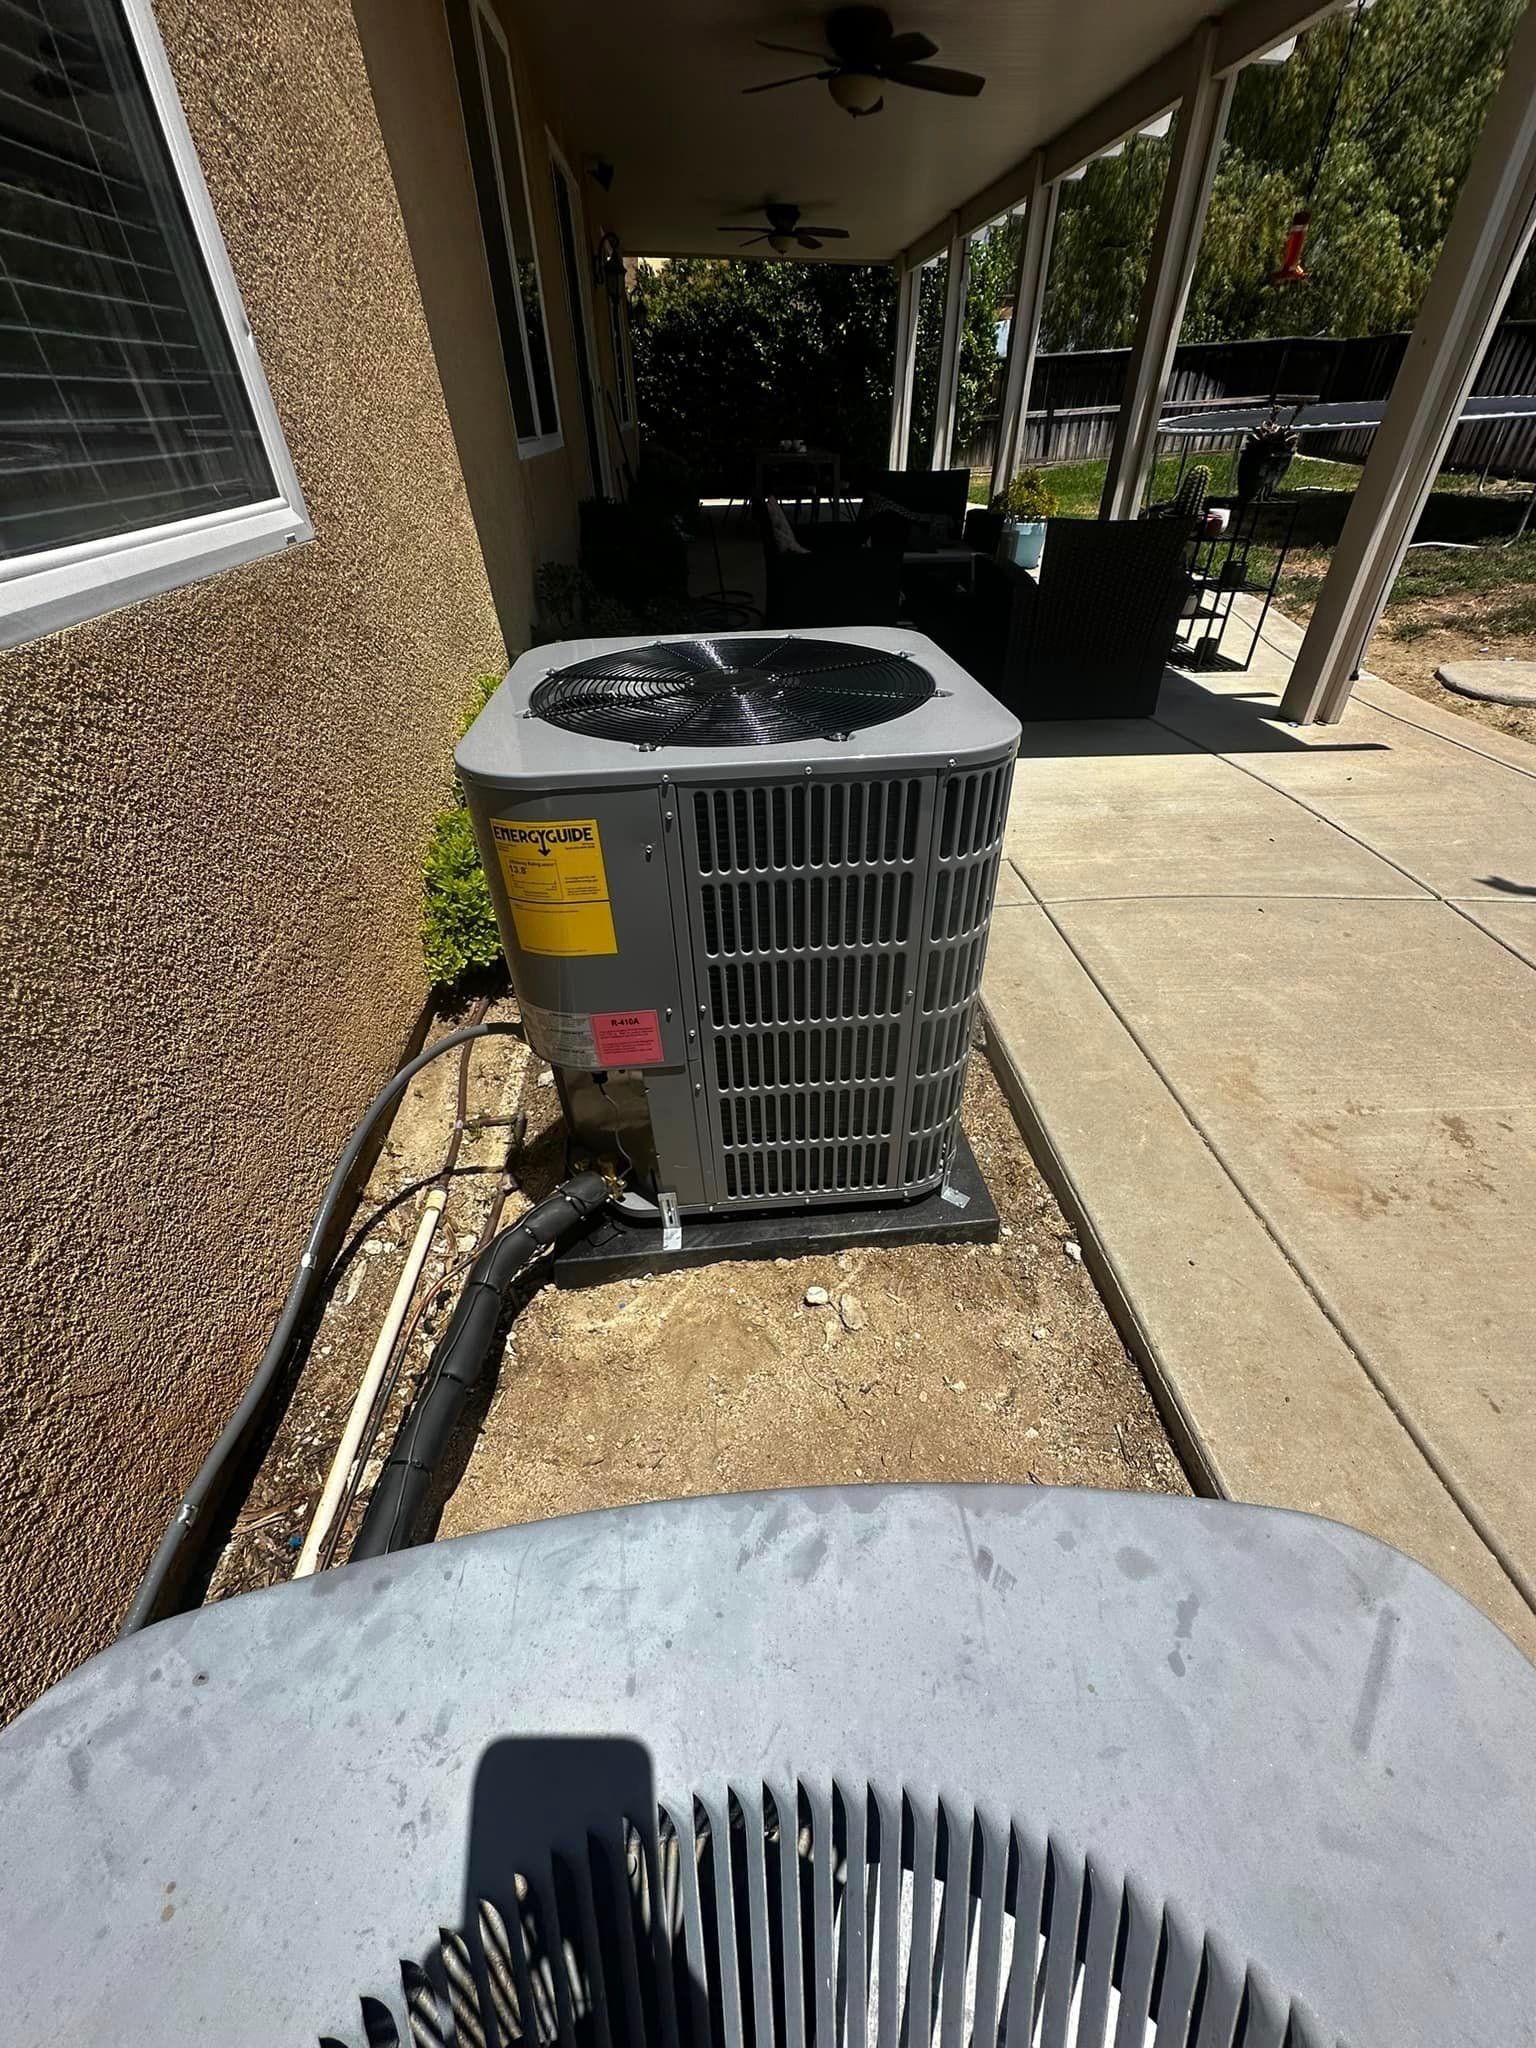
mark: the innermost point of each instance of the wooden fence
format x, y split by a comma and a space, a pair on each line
1076, 396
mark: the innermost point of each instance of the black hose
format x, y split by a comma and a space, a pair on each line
172, 1561
460, 1358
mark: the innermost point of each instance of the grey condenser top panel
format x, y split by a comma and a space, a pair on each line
961, 723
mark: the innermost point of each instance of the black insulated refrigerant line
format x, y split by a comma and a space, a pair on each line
173, 1560
460, 1358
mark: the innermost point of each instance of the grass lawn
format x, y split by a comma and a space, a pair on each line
1477, 600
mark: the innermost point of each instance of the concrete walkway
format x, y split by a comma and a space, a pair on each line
1265, 1000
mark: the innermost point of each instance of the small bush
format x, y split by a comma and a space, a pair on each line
1029, 496
458, 924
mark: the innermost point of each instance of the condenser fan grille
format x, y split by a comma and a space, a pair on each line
758, 692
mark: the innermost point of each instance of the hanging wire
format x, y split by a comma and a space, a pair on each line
1326, 137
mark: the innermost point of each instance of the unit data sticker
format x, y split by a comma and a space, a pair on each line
557, 885
563, 1037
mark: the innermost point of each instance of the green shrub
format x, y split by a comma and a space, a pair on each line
1029, 496
458, 924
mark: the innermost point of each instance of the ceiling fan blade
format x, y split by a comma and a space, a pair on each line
829, 234
794, 50
808, 241
774, 83
907, 49
935, 78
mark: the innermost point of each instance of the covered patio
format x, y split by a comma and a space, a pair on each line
916, 185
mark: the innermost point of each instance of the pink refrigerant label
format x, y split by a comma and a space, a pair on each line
627, 1038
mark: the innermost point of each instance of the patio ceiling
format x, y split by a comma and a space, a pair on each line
658, 92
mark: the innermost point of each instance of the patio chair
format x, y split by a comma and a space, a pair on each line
825, 574
1093, 637
928, 493
968, 1766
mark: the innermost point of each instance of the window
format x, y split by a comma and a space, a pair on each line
484, 66
621, 377
139, 448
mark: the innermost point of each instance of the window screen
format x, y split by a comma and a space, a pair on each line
121, 403
486, 92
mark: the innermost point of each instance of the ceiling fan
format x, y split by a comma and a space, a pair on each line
784, 230
866, 55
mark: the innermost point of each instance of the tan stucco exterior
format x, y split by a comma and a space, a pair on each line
214, 811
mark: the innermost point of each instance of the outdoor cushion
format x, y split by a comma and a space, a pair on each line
898, 524
780, 528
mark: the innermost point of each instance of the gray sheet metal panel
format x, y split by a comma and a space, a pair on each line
1268, 1748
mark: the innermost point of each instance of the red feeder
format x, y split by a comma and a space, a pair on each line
1290, 271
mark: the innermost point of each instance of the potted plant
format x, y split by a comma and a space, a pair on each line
1263, 460
1026, 505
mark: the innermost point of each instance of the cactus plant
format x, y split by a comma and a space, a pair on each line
1194, 488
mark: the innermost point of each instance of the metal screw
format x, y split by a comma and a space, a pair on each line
669, 1015
692, 1034
648, 852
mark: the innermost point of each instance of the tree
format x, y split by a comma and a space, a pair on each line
994, 271
731, 356
1420, 76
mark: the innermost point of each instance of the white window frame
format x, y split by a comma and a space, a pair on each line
482, 17
56, 587
581, 314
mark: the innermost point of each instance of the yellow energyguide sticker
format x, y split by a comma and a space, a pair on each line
556, 884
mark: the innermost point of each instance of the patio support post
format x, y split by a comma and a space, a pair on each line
1024, 333
908, 297
957, 277
1202, 121
1489, 234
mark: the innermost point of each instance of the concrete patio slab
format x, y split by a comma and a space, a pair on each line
1265, 1398
1382, 1119
1169, 820
1284, 1074
1511, 920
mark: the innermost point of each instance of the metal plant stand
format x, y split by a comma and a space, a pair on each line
1222, 569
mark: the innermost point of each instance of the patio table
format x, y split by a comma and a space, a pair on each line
816, 465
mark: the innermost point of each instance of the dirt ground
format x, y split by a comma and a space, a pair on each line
1411, 661
962, 1362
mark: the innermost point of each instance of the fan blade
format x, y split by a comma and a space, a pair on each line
827, 234
794, 50
808, 241
934, 78
907, 49
799, 79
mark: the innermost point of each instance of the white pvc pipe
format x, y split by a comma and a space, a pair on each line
378, 1364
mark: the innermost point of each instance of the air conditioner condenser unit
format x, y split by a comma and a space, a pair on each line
744, 885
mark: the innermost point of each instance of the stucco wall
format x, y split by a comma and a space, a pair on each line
213, 815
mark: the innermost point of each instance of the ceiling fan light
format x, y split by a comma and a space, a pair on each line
856, 92
781, 244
